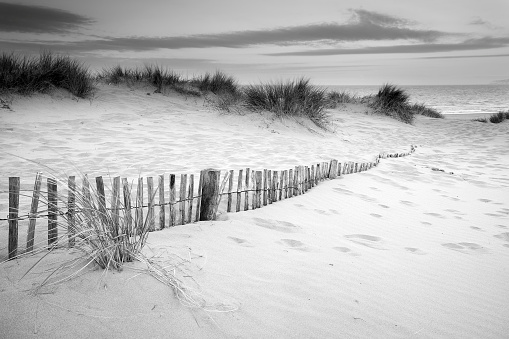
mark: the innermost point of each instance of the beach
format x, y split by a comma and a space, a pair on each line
416, 247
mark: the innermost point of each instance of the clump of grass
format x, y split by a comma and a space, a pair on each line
217, 83
393, 101
426, 111
334, 98
483, 120
291, 98
499, 117
26, 75
154, 75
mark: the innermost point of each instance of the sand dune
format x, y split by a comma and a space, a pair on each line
415, 248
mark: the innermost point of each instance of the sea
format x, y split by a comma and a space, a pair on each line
453, 100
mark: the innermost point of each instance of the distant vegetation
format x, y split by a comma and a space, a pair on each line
495, 118
394, 102
26, 75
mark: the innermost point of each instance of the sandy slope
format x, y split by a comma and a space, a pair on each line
400, 251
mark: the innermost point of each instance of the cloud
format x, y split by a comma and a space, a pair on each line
467, 56
478, 21
38, 19
363, 26
467, 45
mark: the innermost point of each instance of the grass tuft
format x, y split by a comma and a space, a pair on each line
26, 75
426, 111
217, 83
334, 98
392, 101
291, 98
499, 117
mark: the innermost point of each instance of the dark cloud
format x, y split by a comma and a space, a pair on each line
467, 45
478, 21
364, 26
38, 19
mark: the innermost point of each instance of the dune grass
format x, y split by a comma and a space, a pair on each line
495, 118
394, 102
426, 111
291, 98
336, 98
26, 75
499, 117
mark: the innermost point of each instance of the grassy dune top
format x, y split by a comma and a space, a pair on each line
25, 75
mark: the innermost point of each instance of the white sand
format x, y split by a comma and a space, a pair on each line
399, 251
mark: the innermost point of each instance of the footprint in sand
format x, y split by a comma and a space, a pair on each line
408, 203
321, 212
375, 215
477, 228
436, 215
383, 206
426, 223
415, 250
502, 226
242, 242
366, 240
295, 245
334, 211
466, 247
504, 236
277, 225
346, 250
484, 200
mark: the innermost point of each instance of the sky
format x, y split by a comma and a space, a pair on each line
347, 42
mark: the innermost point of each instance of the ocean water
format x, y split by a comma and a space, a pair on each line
449, 99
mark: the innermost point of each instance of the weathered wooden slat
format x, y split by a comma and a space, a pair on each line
210, 194
289, 183
296, 181
115, 205
198, 200
312, 181
71, 211
33, 212
239, 190
14, 185
246, 196
162, 205
259, 183
281, 185
269, 185
230, 187
264, 187
183, 184
139, 206
128, 218
190, 198
101, 199
52, 211
275, 177
150, 197
173, 207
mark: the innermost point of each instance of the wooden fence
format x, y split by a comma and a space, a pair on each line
251, 190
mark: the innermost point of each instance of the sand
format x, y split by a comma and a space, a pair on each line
417, 247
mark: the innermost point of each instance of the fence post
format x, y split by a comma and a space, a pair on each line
239, 189
139, 206
182, 194
151, 196
52, 211
173, 210
246, 196
127, 205
162, 207
71, 210
13, 216
190, 197
33, 211
230, 187
209, 194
